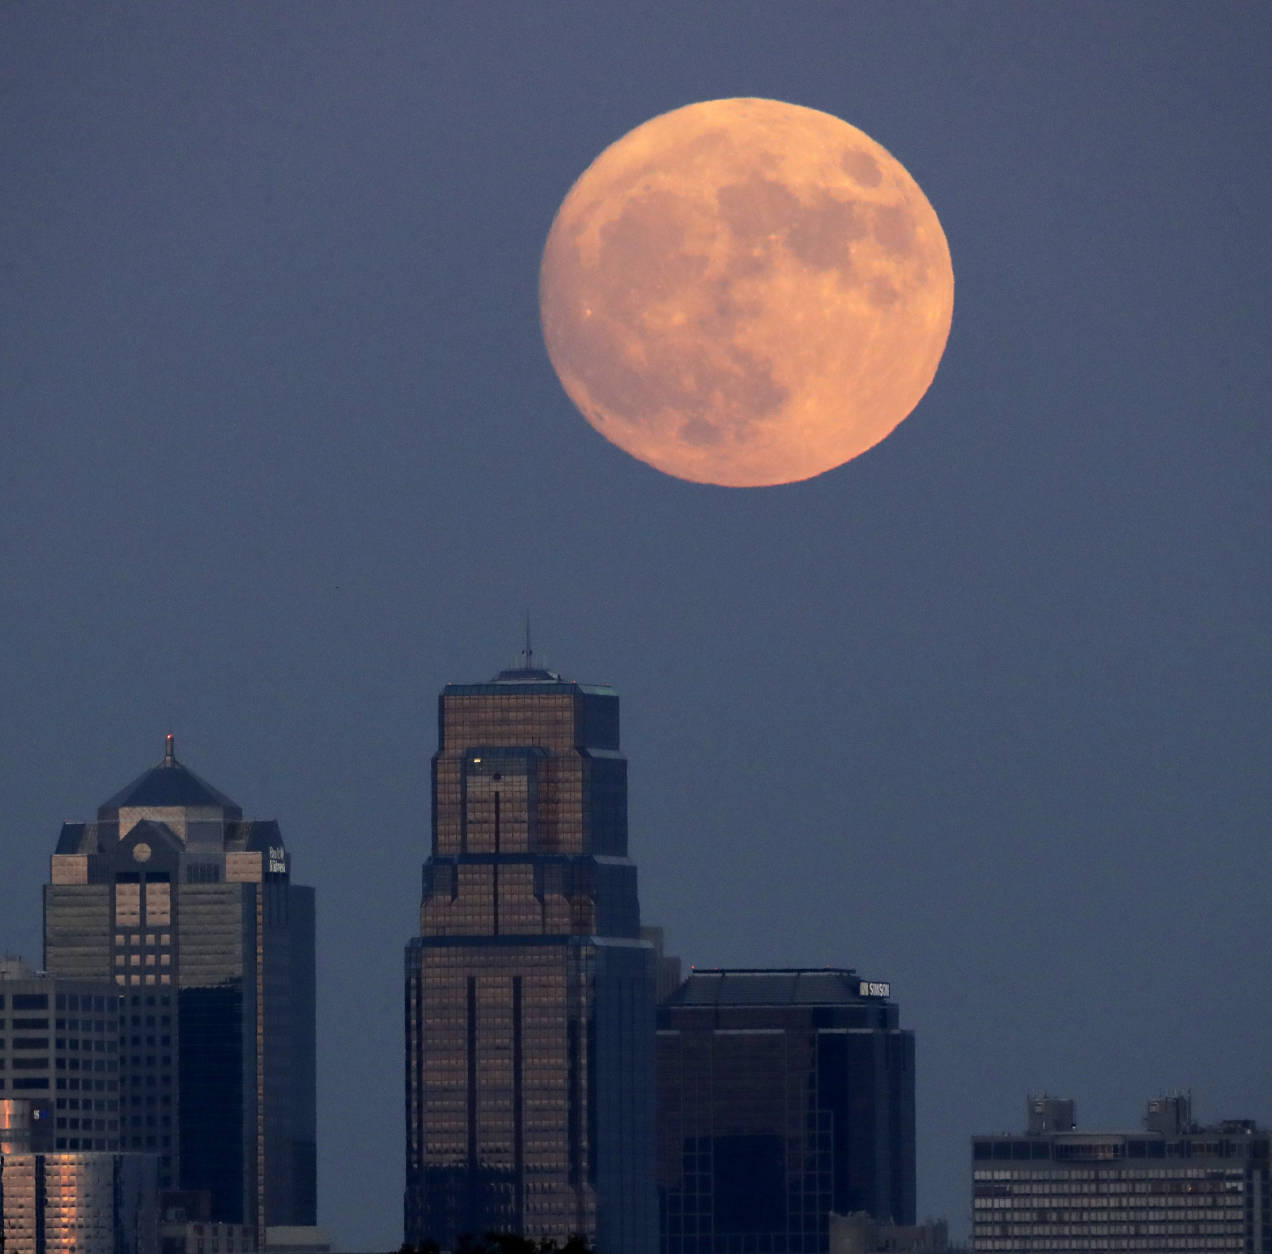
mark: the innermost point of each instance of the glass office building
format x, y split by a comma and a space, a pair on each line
782, 1096
529, 992
189, 911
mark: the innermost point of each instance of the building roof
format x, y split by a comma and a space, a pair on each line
528, 680
168, 784
795, 987
528, 675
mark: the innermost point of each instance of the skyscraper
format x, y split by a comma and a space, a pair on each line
189, 910
782, 1096
529, 993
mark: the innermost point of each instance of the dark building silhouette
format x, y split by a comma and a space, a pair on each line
529, 991
189, 911
1176, 1186
782, 1096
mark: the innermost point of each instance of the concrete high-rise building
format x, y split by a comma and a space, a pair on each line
189, 911
529, 991
1175, 1186
782, 1096
64, 1187
59, 1051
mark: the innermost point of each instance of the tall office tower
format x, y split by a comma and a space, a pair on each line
782, 1096
190, 911
529, 991
1175, 1186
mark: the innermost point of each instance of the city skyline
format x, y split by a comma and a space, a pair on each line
983, 710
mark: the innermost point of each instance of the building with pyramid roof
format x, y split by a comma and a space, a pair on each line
190, 911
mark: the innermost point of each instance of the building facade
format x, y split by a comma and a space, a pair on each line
1174, 1187
79, 1202
59, 1049
190, 912
64, 1187
782, 1096
529, 991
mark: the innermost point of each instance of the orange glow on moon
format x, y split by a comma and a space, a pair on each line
745, 292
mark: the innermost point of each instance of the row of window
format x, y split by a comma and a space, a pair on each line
61, 1064
1131, 1208
75, 1123
26, 1001
1150, 1245
1115, 1173
1125, 1220
74, 1045
1113, 1151
1113, 1192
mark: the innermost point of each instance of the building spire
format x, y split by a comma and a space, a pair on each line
528, 653
169, 750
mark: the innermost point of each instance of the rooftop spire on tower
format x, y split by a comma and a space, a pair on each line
528, 652
169, 750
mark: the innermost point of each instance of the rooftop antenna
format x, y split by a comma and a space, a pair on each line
528, 653
169, 750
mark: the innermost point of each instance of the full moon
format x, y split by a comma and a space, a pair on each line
745, 292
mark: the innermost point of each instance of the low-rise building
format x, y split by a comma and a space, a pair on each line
1174, 1187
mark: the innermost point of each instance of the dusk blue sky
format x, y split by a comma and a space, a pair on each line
983, 713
